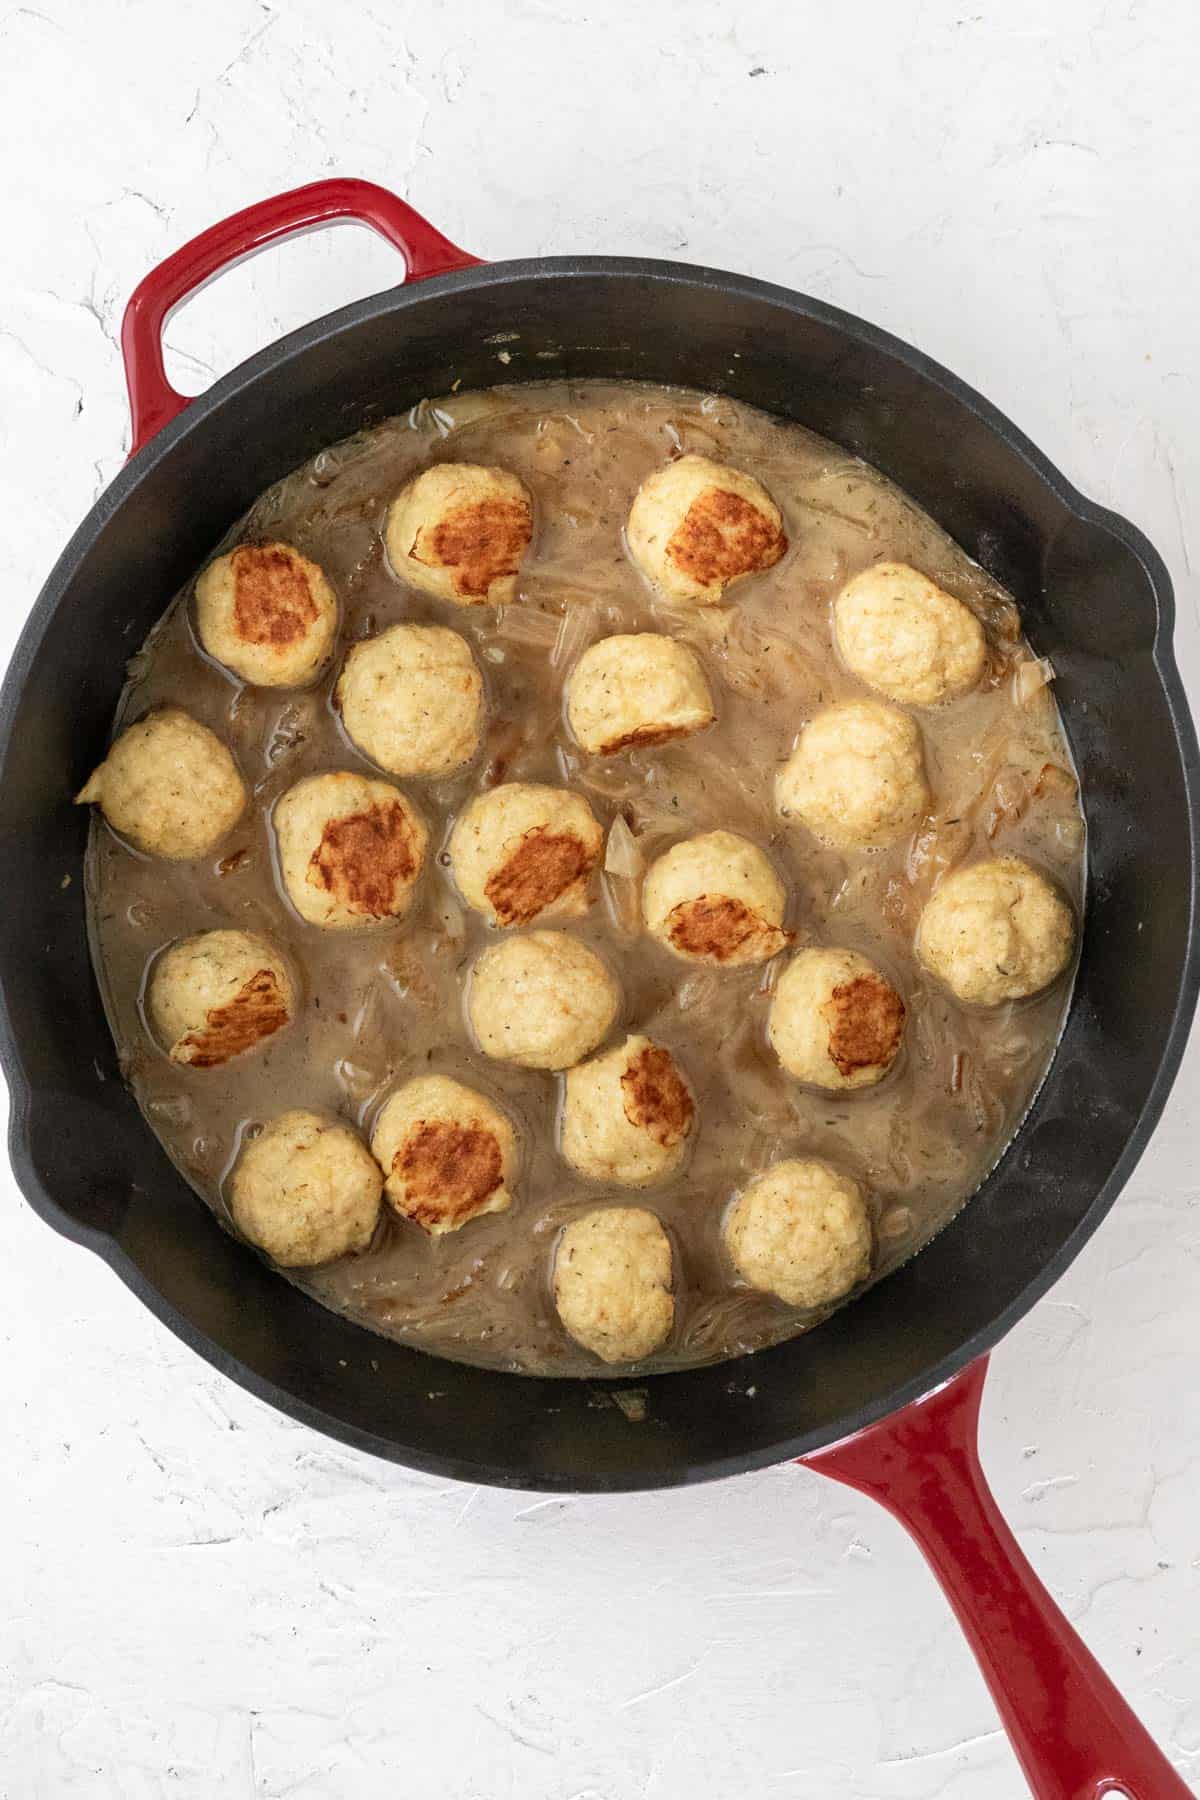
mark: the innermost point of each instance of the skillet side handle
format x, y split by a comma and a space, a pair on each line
1074, 1735
153, 402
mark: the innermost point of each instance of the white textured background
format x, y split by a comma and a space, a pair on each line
198, 1598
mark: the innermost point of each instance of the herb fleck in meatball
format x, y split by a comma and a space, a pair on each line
168, 785
306, 1190
542, 999
632, 691
995, 931
857, 776
412, 700
801, 1231
906, 637
613, 1283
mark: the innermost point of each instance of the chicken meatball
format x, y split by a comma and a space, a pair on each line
995, 931
459, 532
447, 1154
169, 786
350, 849
835, 1021
906, 637
613, 1283
215, 995
801, 1231
697, 526
543, 1000
857, 776
716, 899
522, 852
627, 1116
634, 690
268, 614
412, 700
306, 1190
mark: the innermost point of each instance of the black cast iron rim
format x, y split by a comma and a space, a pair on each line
497, 276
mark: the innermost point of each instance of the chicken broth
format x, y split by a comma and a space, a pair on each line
381, 1005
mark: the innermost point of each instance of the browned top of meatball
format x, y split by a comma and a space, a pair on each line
722, 536
256, 1010
544, 865
272, 601
656, 1097
716, 925
643, 735
866, 1020
481, 542
449, 1170
364, 857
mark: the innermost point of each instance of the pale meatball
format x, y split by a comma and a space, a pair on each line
716, 899
268, 614
412, 700
169, 786
627, 1116
447, 1154
306, 1190
459, 531
835, 1021
215, 995
522, 852
906, 637
996, 930
613, 1283
350, 849
543, 1000
857, 776
630, 691
801, 1231
697, 526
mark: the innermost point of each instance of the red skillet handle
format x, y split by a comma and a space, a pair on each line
1073, 1734
153, 402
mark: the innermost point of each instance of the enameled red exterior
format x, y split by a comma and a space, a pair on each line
1074, 1736
153, 402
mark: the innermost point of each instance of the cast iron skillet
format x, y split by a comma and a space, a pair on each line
1096, 599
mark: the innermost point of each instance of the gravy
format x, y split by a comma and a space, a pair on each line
383, 1005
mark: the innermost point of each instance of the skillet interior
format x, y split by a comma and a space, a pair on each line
1094, 597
